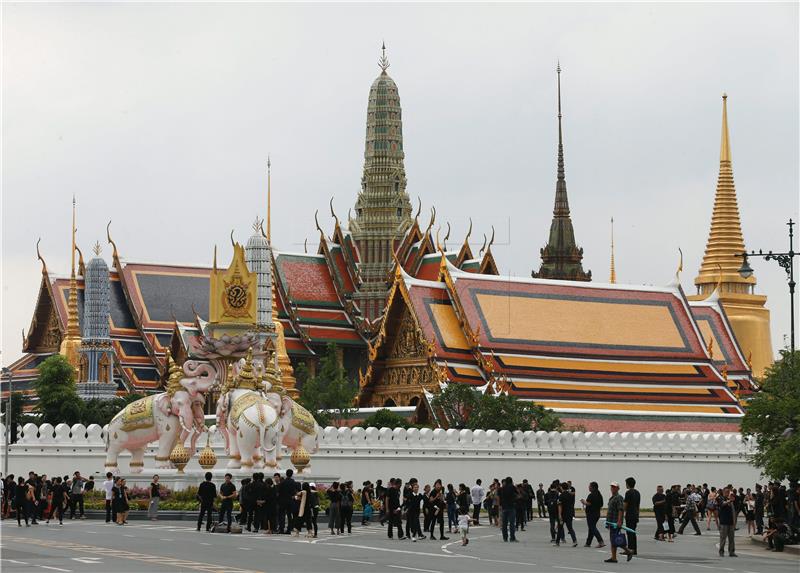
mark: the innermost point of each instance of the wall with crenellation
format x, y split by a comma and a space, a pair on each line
453, 455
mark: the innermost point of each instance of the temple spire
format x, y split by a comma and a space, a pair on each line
725, 144
72, 340
561, 257
725, 237
269, 199
613, 277
384, 61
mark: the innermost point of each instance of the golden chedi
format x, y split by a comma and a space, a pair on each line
179, 457
207, 458
300, 458
745, 309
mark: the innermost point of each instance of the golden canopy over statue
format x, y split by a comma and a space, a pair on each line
233, 293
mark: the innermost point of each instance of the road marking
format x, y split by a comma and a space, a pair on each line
508, 562
282, 553
54, 568
204, 543
117, 553
578, 569
89, 560
388, 550
16, 562
351, 561
245, 548
415, 569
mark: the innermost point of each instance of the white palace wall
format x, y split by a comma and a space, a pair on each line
453, 455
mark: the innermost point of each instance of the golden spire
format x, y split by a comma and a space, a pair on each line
269, 199
725, 238
246, 379
175, 375
613, 278
288, 380
72, 341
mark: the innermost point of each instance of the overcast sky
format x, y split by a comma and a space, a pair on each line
161, 117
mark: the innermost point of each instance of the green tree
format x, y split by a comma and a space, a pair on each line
457, 403
329, 395
18, 415
101, 412
465, 407
55, 387
509, 413
772, 417
384, 418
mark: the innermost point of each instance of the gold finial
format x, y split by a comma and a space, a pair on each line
438, 244
74, 230
246, 380
680, 264
483, 247
269, 199
335, 218
175, 375
491, 241
114, 254
97, 249
71, 344
39, 256
215, 257
446, 236
725, 144
384, 61
750, 360
613, 277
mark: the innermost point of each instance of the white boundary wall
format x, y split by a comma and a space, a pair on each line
453, 455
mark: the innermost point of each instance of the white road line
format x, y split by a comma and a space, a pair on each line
54, 568
290, 554
16, 562
388, 550
415, 569
245, 548
204, 543
508, 562
351, 561
578, 569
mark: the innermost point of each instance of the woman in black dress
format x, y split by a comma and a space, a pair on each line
335, 510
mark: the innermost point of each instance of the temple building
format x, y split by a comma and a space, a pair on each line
561, 257
720, 268
408, 315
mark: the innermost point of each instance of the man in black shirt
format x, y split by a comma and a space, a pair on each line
660, 509
759, 509
632, 501
380, 495
286, 492
551, 502
531, 496
592, 506
206, 493
227, 493
541, 507
727, 519
393, 508
508, 501
566, 511
407, 493
258, 491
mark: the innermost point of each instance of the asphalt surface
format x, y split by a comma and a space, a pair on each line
93, 547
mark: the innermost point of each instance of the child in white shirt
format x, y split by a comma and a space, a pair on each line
463, 525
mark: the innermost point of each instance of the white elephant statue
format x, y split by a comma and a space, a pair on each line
297, 427
247, 420
168, 417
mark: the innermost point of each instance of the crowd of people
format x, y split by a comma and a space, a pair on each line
282, 505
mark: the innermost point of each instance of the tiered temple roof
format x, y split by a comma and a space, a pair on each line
635, 354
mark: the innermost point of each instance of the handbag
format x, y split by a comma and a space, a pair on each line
619, 539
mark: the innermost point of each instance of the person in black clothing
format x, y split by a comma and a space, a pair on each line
380, 495
246, 504
335, 508
566, 513
660, 509
759, 498
286, 492
462, 499
60, 497
508, 503
407, 489
672, 507
531, 496
271, 506
227, 493
632, 502
437, 508
452, 508
348, 499
21, 501
258, 493
551, 502
366, 500
522, 507
206, 493
393, 508
411, 505
540, 505
727, 520
592, 506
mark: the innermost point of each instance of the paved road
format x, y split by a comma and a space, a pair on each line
94, 547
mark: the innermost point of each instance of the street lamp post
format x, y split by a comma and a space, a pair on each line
7, 419
785, 260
